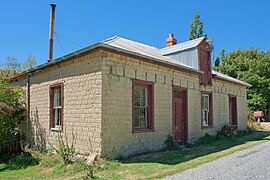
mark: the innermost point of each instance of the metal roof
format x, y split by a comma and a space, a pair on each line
131, 47
142, 49
229, 78
181, 47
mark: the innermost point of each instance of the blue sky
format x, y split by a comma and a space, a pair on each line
25, 24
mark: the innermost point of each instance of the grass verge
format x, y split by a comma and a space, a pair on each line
145, 166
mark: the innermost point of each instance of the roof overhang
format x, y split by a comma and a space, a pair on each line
108, 47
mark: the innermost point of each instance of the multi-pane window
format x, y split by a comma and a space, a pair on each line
56, 106
206, 110
142, 106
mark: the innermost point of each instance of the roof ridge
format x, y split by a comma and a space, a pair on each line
182, 43
118, 37
113, 38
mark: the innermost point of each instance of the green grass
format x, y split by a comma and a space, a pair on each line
145, 166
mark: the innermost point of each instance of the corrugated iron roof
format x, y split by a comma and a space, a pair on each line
125, 45
181, 47
140, 48
229, 78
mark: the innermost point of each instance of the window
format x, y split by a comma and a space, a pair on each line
56, 106
142, 106
206, 110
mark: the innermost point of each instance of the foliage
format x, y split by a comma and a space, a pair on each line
29, 63
217, 62
144, 166
170, 142
12, 114
196, 28
19, 161
64, 150
226, 132
251, 66
13, 65
253, 125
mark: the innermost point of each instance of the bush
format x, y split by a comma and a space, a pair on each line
170, 143
64, 150
20, 161
226, 132
207, 138
12, 114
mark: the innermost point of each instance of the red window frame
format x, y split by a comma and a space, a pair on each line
210, 110
52, 114
150, 105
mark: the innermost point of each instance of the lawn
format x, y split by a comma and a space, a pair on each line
145, 166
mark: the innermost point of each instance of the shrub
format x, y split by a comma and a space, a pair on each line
207, 138
226, 132
21, 161
64, 150
170, 142
12, 114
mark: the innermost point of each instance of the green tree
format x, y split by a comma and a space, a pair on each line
12, 64
29, 63
217, 62
251, 66
222, 54
196, 28
12, 114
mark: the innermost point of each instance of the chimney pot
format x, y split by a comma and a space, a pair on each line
171, 40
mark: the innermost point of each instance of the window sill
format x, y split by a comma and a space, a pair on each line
58, 129
138, 131
206, 127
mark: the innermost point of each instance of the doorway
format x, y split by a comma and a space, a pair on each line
233, 111
179, 121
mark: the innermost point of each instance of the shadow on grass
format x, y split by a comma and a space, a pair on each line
16, 161
174, 157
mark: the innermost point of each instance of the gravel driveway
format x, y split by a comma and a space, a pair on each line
250, 164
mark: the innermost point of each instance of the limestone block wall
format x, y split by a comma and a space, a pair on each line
118, 73
82, 81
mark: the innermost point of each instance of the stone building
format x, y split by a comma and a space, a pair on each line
120, 97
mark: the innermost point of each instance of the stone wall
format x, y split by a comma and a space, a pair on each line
98, 104
82, 81
118, 73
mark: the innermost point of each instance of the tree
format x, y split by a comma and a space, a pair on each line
12, 63
251, 66
29, 63
217, 62
12, 66
196, 28
222, 54
12, 114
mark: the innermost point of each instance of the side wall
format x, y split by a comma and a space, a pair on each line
81, 78
118, 73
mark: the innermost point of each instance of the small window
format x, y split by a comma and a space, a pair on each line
56, 106
142, 106
206, 110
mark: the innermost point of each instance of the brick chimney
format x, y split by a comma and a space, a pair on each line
171, 40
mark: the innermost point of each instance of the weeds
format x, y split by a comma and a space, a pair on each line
170, 142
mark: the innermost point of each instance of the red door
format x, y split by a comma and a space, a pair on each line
233, 112
179, 116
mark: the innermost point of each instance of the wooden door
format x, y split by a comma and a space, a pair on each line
179, 116
233, 111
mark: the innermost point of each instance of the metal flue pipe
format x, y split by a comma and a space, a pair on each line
51, 36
